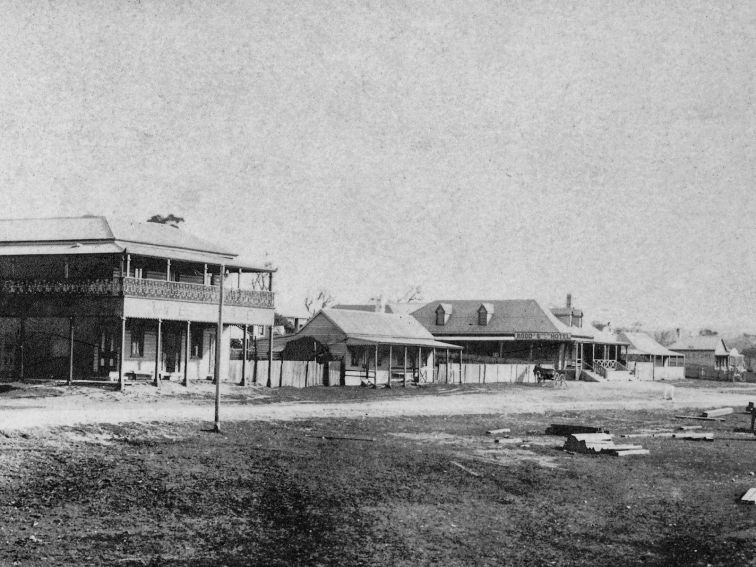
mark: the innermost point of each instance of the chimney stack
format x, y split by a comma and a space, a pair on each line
569, 300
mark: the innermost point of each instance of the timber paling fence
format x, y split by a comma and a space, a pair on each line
301, 374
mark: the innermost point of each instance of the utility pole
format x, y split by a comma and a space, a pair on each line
218, 338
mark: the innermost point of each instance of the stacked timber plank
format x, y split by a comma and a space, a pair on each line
566, 429
749, 497
600, 443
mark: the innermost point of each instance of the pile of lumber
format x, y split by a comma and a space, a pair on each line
566, 429
749, 497
600, 443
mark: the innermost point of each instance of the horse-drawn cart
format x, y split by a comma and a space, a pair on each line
544, 373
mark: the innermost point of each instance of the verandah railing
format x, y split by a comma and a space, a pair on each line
136, 287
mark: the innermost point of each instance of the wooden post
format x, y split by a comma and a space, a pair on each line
168, 270
578, 354
460, 366
376, 366
128, 265
22, 340
404, 376
158, 348
448, 366
367, 366
419, 362
270, 356
121, 352
238, 282
391, 353
187, 347
245, 344
435, 374
218, 341
70, 350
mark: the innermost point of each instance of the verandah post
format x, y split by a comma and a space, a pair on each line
121, 353
270, 356
158, 348
187, 346
391, 352
376, 367
70, 349
448, 369
404, 376
245, 344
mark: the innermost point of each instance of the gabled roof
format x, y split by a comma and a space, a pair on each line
93, 235
361, 327
397, 308
509, 316
642, 343
565, 311
699, 342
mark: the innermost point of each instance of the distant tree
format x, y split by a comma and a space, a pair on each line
413, 295
599, 325
320, 299
665, 337
635, 327
281, 321
707, 333
171, 220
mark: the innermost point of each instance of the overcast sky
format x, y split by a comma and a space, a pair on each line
479, 150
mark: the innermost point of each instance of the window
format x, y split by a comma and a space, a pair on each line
482, 317
485, 312
196, 344
137, 341
442, 314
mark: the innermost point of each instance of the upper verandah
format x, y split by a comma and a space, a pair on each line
91, 235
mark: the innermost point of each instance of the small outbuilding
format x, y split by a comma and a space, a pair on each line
649, 360
706, 356
374, 348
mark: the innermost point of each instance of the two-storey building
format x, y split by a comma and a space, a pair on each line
97, 298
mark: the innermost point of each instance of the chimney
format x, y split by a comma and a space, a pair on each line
569, 300
677, 331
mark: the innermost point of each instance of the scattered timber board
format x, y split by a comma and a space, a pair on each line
699, 417
343, 437
464, 468
717, 412
508, 441
630, 452
498, 431
749, 497
566, 429
694, 436
689, 427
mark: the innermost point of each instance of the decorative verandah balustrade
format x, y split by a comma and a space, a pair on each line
135, 287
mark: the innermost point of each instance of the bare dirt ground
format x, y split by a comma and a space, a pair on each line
350, 476
24, 406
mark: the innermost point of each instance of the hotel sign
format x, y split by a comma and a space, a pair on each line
542, 336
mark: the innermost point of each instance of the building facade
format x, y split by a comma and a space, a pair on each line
97, 298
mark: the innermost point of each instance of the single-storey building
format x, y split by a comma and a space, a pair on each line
372, 348
523, 331
649, 360
706, 356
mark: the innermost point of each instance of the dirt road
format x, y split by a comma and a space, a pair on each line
61, 406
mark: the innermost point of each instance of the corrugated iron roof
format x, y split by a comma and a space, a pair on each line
642, 343
509, 316
91, 235
377, 325
700, 342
